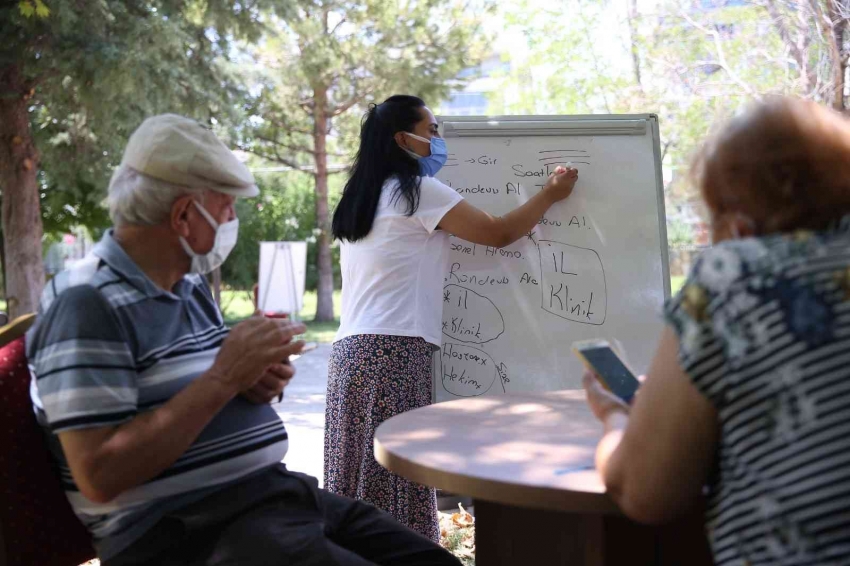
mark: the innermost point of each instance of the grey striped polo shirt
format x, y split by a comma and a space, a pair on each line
109, 345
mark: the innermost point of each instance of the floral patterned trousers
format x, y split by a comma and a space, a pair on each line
370, 379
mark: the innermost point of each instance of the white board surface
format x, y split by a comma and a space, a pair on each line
594, 267
283, 273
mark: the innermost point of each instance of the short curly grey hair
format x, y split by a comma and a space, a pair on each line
136, 198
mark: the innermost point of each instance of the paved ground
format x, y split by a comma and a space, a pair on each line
303, 411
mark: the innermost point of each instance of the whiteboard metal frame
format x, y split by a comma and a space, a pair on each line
662, 210
545, 125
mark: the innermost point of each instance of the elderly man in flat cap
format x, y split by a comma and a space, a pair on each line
157, 414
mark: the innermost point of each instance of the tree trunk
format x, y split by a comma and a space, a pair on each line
633, 40
22, 228
325, 291
796, 39
836, 43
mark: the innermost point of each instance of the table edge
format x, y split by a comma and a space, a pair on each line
519, 495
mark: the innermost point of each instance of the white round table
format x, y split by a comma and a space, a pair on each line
527, 460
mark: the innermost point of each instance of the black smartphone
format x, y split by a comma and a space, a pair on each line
599, 357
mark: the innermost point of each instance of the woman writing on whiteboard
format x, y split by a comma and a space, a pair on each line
394, 222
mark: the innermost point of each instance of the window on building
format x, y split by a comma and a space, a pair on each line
466, 104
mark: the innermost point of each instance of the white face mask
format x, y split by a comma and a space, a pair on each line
225, 240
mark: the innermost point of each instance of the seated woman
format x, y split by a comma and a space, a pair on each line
749, 391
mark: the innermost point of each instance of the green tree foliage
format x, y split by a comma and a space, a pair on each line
75, 79
816, 45
691, 63
97, 75
324, 60
568, 69
30, 8
285, 211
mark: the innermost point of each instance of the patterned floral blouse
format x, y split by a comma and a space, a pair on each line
764, 331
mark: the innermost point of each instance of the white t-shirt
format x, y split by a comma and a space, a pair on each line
392, 279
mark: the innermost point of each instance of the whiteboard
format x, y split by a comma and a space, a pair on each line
283, 273
595, 266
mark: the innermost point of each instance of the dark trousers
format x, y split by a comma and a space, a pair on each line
280, 518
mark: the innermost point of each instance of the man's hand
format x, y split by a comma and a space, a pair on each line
251, 348
271, 384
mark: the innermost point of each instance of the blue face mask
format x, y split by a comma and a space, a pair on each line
431, 164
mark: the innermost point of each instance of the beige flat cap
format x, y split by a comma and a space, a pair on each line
178, 150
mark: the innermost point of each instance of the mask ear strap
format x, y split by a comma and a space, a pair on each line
206, 214
401, 146
420, 138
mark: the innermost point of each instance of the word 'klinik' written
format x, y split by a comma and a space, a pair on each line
460, 329
560, 299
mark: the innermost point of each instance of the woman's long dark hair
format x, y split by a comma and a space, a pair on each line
378, 159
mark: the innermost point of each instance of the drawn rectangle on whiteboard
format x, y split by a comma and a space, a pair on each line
283, 272
570, 279
595, 266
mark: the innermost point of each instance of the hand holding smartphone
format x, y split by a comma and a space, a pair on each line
601, 359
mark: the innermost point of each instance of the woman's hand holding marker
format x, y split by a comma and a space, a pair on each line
561, 182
